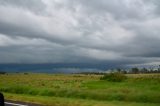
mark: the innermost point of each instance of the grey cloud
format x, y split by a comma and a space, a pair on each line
156, 4
36, 6
126, 9
106, 31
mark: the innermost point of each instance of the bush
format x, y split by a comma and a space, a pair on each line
2, 72
114, 77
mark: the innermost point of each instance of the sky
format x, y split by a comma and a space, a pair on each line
122, 32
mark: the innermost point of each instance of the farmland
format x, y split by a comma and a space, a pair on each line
81, 90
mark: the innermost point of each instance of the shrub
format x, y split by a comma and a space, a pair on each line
114, 77
2, 72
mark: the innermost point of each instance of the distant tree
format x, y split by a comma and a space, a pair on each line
119, 70
124, 72
144, 70
159, 68
135, 70
151, 70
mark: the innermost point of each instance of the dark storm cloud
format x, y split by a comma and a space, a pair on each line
106, 31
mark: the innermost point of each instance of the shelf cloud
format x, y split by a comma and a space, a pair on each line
80, 31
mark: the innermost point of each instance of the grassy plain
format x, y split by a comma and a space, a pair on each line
82, 90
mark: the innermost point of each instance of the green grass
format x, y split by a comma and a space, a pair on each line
136, 90
60, 101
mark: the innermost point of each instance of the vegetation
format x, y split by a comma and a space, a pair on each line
60, 101
135, 90
2, 72
114, 77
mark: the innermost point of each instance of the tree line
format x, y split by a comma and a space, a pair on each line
134, 70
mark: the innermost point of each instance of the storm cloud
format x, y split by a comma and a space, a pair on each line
80, 31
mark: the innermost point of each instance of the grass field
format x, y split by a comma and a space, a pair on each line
82, 90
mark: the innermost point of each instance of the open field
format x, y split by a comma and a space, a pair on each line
82, 90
